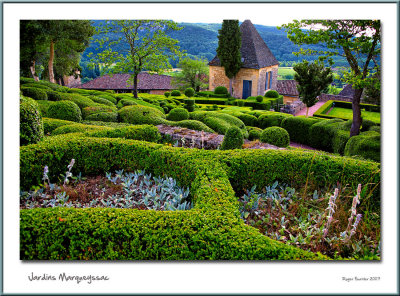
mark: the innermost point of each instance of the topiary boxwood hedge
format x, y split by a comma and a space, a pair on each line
138, 114
275, 135
66, 110
34, 93
147, 133
31, 123
212, 230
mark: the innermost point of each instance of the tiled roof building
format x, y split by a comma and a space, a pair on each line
259, 70
287, 88
149, 83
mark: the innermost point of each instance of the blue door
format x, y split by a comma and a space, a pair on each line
246, 89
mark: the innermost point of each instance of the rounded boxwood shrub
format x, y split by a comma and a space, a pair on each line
254, 133
138, 114
103, 116
66, 110
240, 103
275, 136
44, 106
175, 93
259, 99
34, 93
31, 124
221, 90
233, 139
178, 114
189, 102
189, 92
102, 101
167, 93
271, 118
272, 94
217, 124
366, 145
53, 95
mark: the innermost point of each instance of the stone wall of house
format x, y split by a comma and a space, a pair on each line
158, 91
291, 99
257, 76
327, 97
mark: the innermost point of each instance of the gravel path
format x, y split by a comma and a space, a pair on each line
311, 109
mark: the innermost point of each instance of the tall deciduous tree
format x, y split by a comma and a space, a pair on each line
43, 38
150, 48
194, 74
312, 79
356, 40
32, 43
228, 51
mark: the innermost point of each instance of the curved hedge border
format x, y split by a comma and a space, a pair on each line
211, 230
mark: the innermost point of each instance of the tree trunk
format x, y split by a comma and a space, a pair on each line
135, 83
355, 127
51, 61
33, 72
230, 86
307, 112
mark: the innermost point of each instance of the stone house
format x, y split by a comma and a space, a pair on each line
147, 83
288, 89
259, 70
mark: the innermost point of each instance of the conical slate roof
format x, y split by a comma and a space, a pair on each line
255, 53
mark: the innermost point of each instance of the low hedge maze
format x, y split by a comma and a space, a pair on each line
212, 230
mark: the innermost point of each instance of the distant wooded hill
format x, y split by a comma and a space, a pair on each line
201, 40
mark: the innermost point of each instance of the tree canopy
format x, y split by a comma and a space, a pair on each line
356, 40
54, 44
312, 79
194, 74
228, 51
149, 47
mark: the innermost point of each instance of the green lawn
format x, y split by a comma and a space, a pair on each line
348, 114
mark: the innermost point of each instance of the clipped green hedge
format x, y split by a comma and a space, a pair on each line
147, 133
103, 101
192, 124
34, 93
78, 128
103, 116
321, 112
50, 124
321, 134
275, 135
78, 99
31, 123
66, 110
212, 230
366, 145
178, 114
138, 114
44, 106
271, 118
233, 139
87, 111
299, 128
